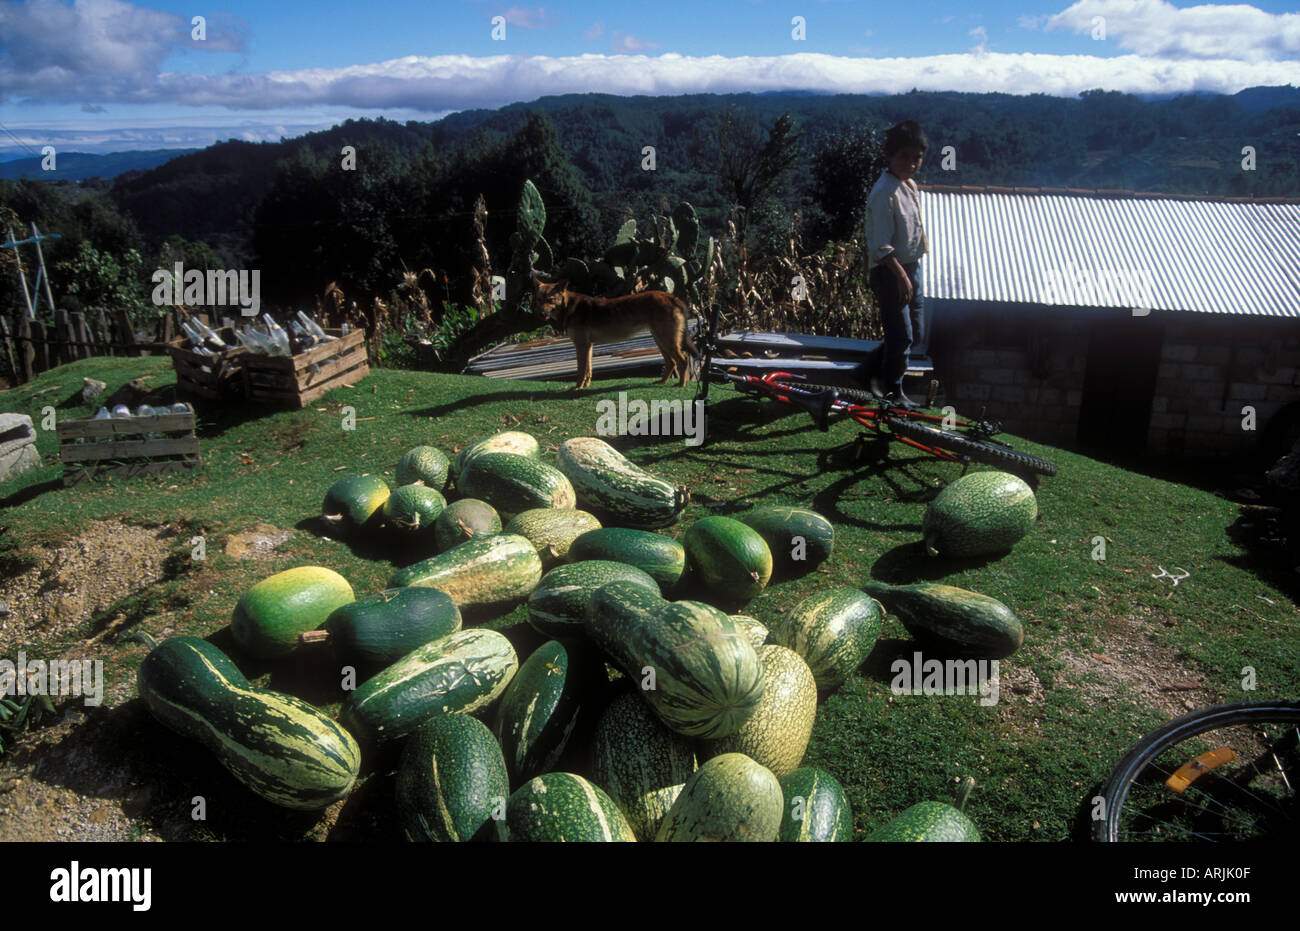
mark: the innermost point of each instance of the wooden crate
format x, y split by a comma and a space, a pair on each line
127, 446
301, 379
214, 378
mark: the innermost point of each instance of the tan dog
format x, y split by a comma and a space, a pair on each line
590, 320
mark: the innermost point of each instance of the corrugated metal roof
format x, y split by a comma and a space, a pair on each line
1208, 256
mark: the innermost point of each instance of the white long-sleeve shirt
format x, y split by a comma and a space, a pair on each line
893, 221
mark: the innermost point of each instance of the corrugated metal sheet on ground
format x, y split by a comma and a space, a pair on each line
555, 359
1060, 250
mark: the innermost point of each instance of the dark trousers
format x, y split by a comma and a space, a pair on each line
904, 324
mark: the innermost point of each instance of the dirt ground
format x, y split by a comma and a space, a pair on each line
68, 781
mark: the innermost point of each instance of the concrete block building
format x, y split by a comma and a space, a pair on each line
1109, 320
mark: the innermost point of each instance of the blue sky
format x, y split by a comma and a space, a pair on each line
104, 75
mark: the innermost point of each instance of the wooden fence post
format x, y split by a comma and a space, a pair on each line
9, 350
81, 336
127, 330
26, 350
45, 353
61, 336
106, 332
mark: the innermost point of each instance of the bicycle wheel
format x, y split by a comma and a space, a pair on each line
856, 395
1224, 773
984, 451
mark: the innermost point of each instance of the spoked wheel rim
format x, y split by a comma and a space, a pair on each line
1227, 773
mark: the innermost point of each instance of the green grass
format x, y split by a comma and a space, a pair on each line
1036, 764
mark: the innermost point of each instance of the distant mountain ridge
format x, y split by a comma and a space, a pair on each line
78, 166
1180, 144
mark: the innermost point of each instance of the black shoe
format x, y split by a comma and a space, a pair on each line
877, 386
903, 401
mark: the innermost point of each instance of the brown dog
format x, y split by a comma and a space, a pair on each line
590, 320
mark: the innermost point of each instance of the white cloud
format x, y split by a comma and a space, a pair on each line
626, 42
98, 49
1208, 31
528, 18
102, 52
982, 34
168, 134
595, 31
453, 82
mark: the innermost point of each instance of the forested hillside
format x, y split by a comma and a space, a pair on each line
762, 160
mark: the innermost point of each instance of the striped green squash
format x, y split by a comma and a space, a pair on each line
413, 508
777, 733
558, 606
279, 746
700, 674
272, 614
541, 706
552, 530
928, 822
659, 556
639, 762
980, 514
833, 631
755, 629
564, 807
729, 558
380, 629
608, 483
451, 783
729, 798
424, 465
799, 539
354, 503
496, 570
512, 441
464, 672
464, 520
953, 620
512, 483
816, 808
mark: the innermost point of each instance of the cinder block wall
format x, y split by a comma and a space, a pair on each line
1211, 372
1026, 369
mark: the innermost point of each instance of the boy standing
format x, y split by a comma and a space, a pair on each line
895, 243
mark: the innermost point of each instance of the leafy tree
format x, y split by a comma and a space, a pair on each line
749, 166
94, 278
846, 164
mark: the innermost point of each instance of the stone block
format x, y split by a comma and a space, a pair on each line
1168, 421
1239, 391
1194, 372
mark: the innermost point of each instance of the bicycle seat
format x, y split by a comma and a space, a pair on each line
818, 406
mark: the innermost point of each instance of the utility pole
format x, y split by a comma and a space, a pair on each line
18, 263
36, 238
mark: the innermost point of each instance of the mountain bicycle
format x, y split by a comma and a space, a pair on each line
1225, 773
944, 437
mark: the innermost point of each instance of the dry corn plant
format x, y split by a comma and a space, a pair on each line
330, 305
481, 293
821, 294
412, 297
